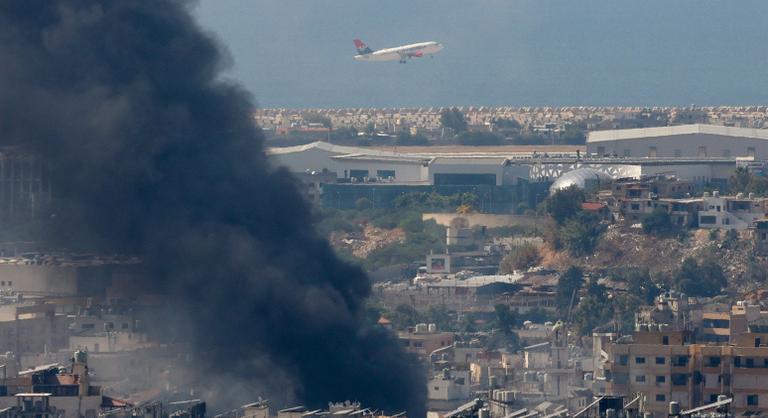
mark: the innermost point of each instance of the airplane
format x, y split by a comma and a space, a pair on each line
400, 53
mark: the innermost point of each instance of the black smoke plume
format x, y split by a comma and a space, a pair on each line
153, 154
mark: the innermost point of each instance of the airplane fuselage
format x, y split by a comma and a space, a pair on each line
401, 53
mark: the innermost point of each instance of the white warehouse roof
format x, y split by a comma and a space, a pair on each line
640, 133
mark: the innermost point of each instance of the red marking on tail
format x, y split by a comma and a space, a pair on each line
416, 54
359, 44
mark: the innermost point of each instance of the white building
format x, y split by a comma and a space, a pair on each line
449, 385
731, 212
684, 141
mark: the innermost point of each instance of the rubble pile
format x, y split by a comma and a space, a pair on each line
371, 239
631, 248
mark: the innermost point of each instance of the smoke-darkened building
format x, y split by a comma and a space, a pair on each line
25, 189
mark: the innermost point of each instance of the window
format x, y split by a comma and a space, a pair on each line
639, 360
358, 174
437, 388
680, 361
707, 220
679, 379
749, 363
652, 152
660, 397
626, 153
660, 360
88, 326
623, 360
2, 283
635, 206
751, 152
752, 400
385, 173
737, 362
713, 361
702, 152
601, 151
712, 397
665, 339
640, 379
661, 379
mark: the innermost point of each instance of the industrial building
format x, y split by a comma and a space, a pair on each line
684, 141
704, 155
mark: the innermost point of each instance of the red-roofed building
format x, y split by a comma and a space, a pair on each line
599, 209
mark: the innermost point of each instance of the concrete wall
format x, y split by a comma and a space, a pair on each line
60, 280
683, 146
311, 159
483, 219
404, 172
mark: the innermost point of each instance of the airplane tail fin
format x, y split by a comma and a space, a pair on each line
362, 48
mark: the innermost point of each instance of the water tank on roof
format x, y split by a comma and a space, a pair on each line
583, 178
674, 408
432, 328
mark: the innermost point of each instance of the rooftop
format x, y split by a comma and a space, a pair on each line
639, 133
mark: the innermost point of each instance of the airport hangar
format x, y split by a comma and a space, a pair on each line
683, 141
508, 176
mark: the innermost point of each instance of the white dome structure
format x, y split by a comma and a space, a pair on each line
583, 178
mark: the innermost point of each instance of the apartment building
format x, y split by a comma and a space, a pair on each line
694, 360
731, 212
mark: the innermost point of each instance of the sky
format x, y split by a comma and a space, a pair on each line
298, 53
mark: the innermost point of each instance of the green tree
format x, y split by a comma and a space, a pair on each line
507, 124
568, 286
363, 203
742, 181
453, 119
739, 180
591, 313
579, 234
565, 203
572, 135
315, 117
370, 128
640, 284
439, 315
658, 222
505, 319
520, 257
404, 316
479, 138
694, 279
405, 138
342, 134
